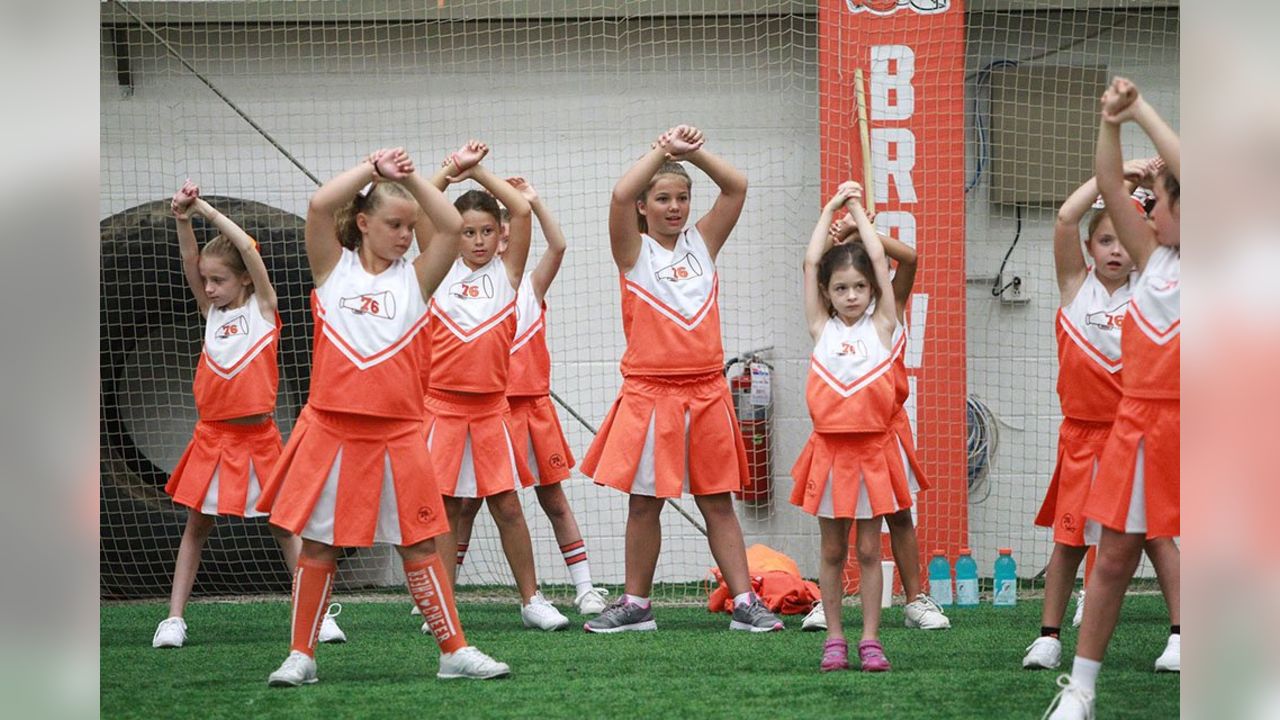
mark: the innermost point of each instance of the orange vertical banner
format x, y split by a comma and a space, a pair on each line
912, 55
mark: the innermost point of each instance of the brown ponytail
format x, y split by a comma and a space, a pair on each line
349, 234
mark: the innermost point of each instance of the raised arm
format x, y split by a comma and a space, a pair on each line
435, 259
820, 240
517, 253
1068, 259
549, 264
1131, 106
248, 247
467, 157
1135, 234
716, 225
885, 315
187, 246
323, 246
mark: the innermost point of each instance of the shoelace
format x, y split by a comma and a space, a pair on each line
618, 607
330, 612
1064, 682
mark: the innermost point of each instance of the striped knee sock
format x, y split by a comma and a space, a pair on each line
429, 585
312, 583
575, 556
462, 553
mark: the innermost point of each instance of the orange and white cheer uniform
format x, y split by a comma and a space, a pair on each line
467, 416
221, 471
851, 467
355, 470
900, 423
1138, 481
534, 424
1089, 372
672, 427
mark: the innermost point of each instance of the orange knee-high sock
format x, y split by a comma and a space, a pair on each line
312, 583
429, 585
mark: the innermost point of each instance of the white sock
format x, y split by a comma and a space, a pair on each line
1084, 673
575, 557
636, 600
742, 599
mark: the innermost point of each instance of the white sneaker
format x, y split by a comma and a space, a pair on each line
171, 633
925, 614
1079, 617
1171, 659
297, 669
815, 620
542, 615
1043, 654
472, 664
329, 630
415, 610
1072, 703
591, 602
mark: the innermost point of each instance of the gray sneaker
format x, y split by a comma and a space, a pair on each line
622, 616
754, 617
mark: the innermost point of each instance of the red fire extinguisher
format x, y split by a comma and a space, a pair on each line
753, 403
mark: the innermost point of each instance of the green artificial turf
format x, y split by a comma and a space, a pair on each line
692, 667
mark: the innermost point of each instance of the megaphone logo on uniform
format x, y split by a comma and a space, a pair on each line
473, 290
856, 349
889, 7
233, 328
1111, 319
381, 304
682, 269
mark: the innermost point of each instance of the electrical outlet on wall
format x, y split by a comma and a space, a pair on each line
1017, 292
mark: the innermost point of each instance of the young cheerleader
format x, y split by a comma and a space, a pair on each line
844, 473
471, 339
1135, 495
672, 428
921, 612
236, 442
1095, 298
534, 424
356, 469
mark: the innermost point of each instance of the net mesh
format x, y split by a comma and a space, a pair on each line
568, 94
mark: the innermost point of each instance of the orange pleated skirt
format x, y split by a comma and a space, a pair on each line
535, 429
667, 435
352, 480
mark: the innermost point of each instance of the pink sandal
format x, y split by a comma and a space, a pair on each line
871, 655
835, 655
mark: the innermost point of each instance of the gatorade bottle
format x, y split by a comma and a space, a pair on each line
966, 580
1006, 589
940, 579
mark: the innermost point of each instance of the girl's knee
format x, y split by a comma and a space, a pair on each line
868, 545
553, 502
468, 507
834, 553
642, 508
505, 508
